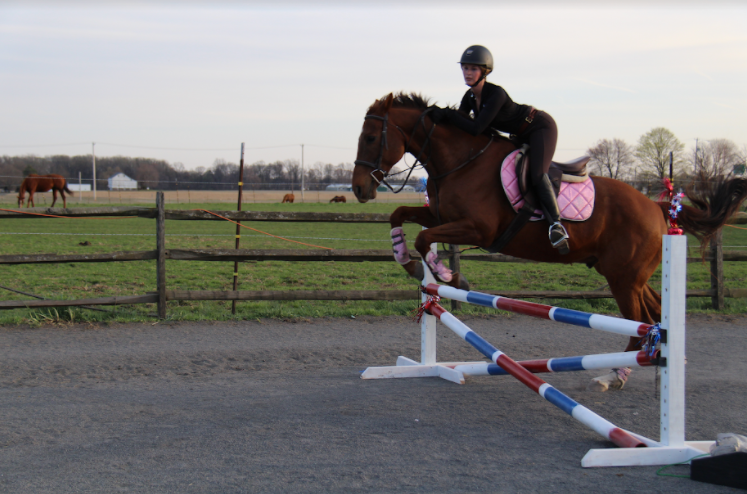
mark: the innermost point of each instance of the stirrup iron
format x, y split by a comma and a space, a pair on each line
562, 239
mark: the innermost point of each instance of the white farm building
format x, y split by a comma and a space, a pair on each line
121, 181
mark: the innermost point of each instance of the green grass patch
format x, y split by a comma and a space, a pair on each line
92, 280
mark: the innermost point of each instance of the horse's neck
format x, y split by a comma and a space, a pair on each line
451, 148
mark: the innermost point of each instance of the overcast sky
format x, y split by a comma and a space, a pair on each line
188, 82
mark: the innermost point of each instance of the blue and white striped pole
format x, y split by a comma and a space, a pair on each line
560, 400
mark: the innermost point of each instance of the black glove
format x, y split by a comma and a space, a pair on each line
439, 115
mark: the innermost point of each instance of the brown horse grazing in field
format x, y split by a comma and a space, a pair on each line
621, 239
288, 198
338, 199
43, 183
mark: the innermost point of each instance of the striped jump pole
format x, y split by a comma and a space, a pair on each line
559, 314
560, 400
563, 364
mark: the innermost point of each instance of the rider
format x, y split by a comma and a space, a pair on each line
491, 107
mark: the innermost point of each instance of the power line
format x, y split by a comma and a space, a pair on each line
137, 146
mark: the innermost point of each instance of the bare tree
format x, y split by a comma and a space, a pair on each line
653, 151
343, 173
612, 158
716, 158
293, 172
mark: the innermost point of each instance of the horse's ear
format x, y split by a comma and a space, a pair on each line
388, 102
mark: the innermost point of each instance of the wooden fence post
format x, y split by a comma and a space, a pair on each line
454, 265
717, 271
161, 259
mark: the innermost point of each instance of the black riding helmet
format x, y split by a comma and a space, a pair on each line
478, 55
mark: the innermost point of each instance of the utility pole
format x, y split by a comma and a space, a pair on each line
93, 154
302, 174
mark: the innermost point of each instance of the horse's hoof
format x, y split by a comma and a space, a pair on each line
463, 282
616, 379
458, 280
418, 273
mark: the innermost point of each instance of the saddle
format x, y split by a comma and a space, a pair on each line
572, 172
573, 188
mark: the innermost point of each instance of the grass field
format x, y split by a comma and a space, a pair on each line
89, 280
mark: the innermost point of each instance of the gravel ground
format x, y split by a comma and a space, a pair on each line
268, 406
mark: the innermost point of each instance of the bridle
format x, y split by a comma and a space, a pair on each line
384, 144
376, 165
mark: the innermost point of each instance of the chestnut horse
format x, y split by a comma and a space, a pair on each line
338, 199
43, 183
288, 198
621, 239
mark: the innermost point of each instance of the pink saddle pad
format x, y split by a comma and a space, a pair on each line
576, 199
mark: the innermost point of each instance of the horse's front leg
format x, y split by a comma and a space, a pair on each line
423, 217
458, 232
54, 197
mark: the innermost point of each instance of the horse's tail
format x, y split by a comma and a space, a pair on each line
714, 203
64, 186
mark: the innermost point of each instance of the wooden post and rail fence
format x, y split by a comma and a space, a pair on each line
716, 256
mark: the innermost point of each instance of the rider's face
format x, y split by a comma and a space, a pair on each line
471, 73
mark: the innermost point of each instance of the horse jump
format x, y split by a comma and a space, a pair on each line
43, 183
338, 199
467, 207
634, 449
288, 198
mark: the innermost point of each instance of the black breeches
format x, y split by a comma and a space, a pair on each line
542, 137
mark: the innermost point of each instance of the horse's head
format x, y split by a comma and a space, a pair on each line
378, 149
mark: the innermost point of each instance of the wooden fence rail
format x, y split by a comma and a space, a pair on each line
161, 254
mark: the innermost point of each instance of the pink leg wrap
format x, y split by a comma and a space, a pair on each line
437, 267
401, 254
623, 373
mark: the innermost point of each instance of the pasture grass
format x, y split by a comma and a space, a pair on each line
90, 280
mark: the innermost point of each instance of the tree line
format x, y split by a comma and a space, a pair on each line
158, 174
648, 161
643, 165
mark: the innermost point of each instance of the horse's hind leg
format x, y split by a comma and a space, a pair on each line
637, 301
54, 197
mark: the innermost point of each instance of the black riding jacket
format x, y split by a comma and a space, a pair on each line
497, 110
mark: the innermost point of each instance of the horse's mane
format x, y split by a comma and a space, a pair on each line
404, 100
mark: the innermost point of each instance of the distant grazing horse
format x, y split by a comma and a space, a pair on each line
288, 198
621, 239
338, 199
43, 183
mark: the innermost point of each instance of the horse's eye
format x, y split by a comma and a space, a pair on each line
370, 139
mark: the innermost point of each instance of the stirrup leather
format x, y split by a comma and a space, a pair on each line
562, 239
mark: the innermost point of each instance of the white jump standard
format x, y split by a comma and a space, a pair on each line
671, 447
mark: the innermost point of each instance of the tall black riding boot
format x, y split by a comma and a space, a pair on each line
557, 233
